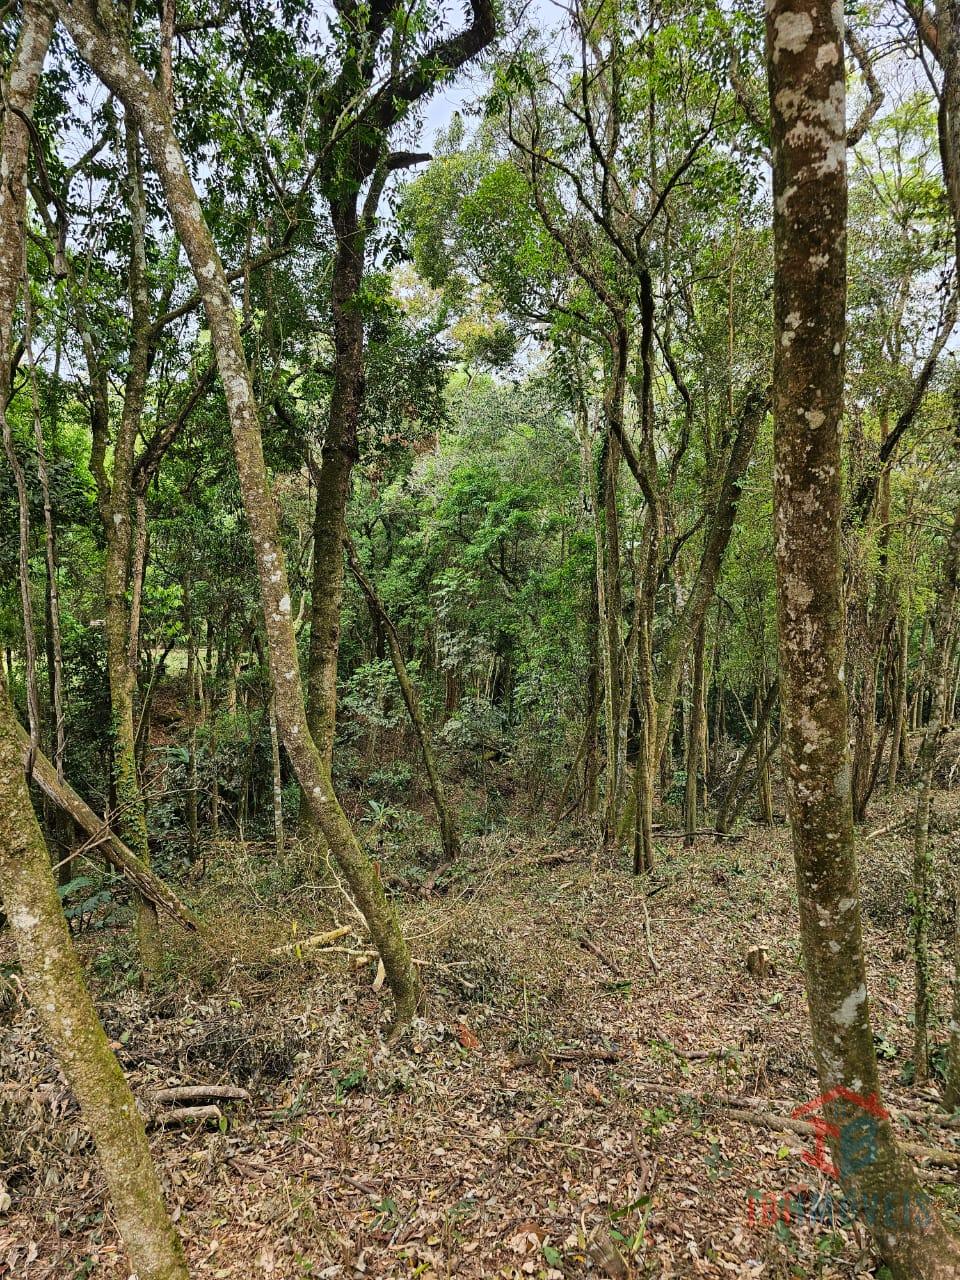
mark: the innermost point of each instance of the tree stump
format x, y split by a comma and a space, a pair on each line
758, 962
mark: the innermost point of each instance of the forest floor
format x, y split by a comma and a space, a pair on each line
564, 1108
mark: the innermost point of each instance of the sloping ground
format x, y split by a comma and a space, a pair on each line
558, 1112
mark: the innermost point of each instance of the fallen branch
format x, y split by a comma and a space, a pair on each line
891, 826
190, 1093
648, 933
548, 1056
936, 1156
709, 832
589, 945
315, 940
177, 1116
118, 854
931, 1156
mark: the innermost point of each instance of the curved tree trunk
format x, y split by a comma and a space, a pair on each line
340, 452
27, 886
59, 994
805, 66
144, 881
105, 49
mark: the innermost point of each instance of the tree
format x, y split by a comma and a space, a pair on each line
101, 40
27, 885
807, 105
365, 103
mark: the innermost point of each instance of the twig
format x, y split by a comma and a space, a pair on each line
891, 826
589, 945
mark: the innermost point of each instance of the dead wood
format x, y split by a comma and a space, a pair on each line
177, 1117
189, 1093
315, 940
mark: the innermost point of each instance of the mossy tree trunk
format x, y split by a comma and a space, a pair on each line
275, 768
28, 889
696, 756
899, 710
193, 706
70, 1023
115, 497
951, 1095
805, 65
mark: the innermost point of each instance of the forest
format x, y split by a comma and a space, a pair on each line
480, 674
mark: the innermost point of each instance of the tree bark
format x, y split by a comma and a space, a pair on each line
951, 1096
764, 783
193, 714
805, 68
340, 452
716, 540
276, 771
54, 645
900, 701
29, 892
103, 46
116, 509
57, 990
696, 758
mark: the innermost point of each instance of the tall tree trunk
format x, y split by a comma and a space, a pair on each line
771, 744
722, 513
54, 645
939, 672
899, 709
951, 1097
764, 783
117, 510
646, 769
594, 698
695, 756
105, 49
340, 452
193, 713
805, 66
26, 594
275, 771
27, 887
608, 584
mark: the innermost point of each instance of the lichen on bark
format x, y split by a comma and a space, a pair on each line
806, 88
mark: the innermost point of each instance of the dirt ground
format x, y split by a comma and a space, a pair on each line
564, 1108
